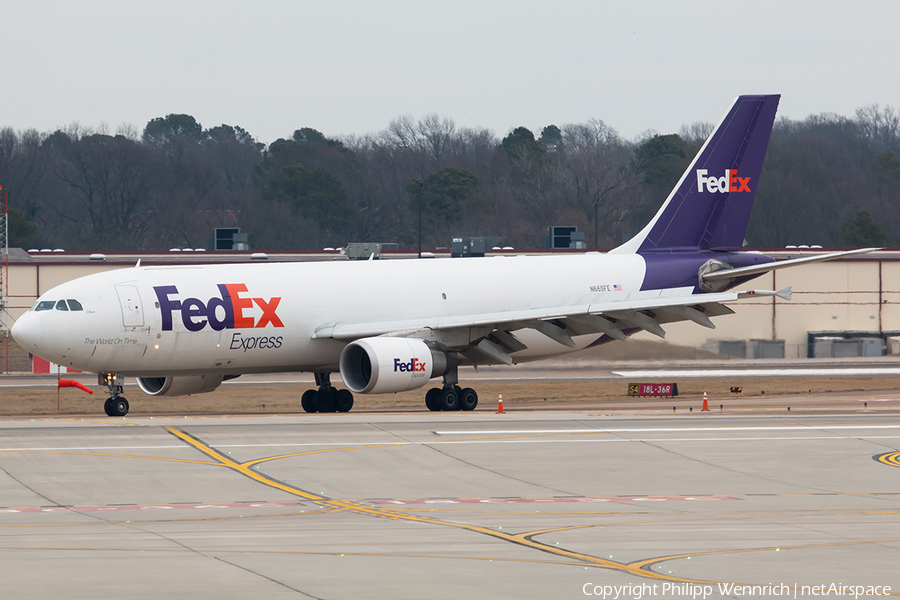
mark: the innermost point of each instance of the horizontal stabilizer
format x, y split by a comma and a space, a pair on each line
781, 264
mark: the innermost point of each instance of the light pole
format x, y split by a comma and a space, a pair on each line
598, 196
419, 186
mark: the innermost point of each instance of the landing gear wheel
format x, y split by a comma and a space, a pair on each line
449, 399
344, 400
433, 399
118, 407
308, 401
115, 405
325, 401
468, 399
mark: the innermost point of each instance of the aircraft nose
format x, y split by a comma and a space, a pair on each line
27, 331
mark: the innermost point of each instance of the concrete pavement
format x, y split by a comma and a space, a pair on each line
447, 505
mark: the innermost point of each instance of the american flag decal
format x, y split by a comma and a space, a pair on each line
617, 287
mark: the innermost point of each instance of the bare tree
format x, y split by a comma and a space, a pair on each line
23, 168
880, 125
593, 166
109, 181
696, 133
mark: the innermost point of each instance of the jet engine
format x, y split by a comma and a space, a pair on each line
179, 386
390, 364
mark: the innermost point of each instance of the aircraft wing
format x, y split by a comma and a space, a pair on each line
491, 333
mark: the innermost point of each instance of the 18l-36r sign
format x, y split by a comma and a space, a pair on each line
652, 389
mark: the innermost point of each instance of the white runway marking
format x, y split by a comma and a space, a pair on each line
353, 445
79, 448
659, 429
150, 507
726, 439
511, 441
53, 384
185, 447
555, 500
266, 381
820, 372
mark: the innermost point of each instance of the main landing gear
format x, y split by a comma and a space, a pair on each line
116, 405
451, 396
326, 398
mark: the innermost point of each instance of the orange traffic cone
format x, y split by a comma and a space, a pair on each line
705, 402
500, 410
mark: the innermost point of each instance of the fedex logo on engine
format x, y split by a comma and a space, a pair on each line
730, 183
224, 312
414, 365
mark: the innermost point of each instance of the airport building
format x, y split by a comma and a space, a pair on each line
842, 308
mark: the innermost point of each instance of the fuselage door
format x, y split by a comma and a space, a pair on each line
130, 303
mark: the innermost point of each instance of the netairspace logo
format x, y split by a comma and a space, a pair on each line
702, 591
722, 185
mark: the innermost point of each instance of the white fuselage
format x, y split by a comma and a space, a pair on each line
129, 326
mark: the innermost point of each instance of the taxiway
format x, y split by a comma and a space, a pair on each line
444, 505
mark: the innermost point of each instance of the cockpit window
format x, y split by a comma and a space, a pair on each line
74, 304
61, 305
44, 305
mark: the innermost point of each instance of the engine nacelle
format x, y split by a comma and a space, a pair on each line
179, 386
389, 364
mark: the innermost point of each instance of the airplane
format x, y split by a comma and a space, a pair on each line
394, 325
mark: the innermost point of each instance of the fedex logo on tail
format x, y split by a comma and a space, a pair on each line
730, 183
414, 365
195, 313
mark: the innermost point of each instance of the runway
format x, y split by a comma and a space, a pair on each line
563, 370
442, 505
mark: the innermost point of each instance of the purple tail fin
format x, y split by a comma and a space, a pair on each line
710, 206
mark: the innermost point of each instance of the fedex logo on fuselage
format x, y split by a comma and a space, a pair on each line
195, 313
730, 183
414, 365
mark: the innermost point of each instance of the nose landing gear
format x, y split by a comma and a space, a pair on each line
116, 405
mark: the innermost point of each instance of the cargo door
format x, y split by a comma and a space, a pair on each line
130, 303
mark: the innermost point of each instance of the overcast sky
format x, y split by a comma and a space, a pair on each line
350, 67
